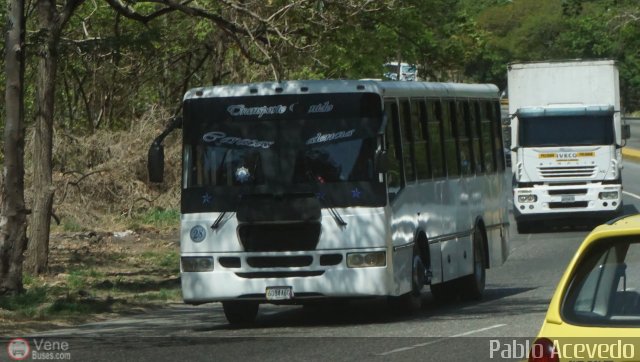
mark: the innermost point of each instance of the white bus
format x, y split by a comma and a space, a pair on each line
300, 191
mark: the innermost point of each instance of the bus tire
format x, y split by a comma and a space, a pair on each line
472, 286
412, 301
240, 312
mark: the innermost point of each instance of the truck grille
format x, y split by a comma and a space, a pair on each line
556, 172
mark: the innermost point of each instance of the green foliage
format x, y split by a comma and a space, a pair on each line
160, 217
169, 262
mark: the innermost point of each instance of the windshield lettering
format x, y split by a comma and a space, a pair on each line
241, 110
321, 138
221, 138
325, 107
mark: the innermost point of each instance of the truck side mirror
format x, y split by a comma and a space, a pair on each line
626, 131
382, 162
155, 163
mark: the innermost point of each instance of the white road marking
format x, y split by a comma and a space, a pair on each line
408, 348
631, 194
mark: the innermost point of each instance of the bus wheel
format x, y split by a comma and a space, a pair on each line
412, 301
472, 286
240, 312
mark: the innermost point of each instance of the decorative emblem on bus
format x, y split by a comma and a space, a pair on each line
197, 233
325, 107
242, 174
356, 193
237, 110
320, 138
206, 198
222, 138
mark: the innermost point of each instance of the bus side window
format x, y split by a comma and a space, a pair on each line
472, 132
478, 147
461, 131
450, 144
420, 137
395, 174
407, 142
497, 134
434, 128
486, 137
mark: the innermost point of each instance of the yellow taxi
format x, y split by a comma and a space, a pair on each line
594, 314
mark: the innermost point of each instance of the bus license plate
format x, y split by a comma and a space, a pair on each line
568, 198
279, 293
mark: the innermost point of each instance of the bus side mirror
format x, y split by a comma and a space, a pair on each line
155, 163
626, 132
382, 162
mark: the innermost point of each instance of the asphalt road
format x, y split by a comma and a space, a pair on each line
510, 314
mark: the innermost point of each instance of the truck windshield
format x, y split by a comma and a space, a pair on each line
322, 145
566, 131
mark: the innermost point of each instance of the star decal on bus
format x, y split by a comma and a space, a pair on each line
356, 193
206, 198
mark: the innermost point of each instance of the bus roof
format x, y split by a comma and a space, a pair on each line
384, 88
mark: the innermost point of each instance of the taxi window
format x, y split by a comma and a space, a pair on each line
605, 288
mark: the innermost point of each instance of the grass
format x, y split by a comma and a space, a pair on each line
105, 278
160, 217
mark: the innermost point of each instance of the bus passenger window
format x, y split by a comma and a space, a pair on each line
395, 174
450, 144
407, 142
434, 130
486, 138
420, 137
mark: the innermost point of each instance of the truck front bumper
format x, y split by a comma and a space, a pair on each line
562, 201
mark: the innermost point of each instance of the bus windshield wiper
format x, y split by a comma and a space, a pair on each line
334, 213
216, 224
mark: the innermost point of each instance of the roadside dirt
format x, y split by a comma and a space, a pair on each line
96, 276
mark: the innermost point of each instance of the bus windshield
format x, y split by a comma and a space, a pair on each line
313, 144
567, 131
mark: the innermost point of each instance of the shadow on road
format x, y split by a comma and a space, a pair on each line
378, 311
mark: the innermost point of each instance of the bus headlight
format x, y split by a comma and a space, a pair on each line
191, 264
366, 260
527, 198
608, 195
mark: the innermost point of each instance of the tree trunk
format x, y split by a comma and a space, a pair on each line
38, 251
13, 220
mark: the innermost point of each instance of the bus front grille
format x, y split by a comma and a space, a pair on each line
281, 274
279, 261
300, 236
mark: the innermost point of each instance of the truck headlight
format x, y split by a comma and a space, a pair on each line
191, 264
527, 198
366, 260
608, 195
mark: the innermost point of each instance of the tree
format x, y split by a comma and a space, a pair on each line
51, 21
13, 239
260, 30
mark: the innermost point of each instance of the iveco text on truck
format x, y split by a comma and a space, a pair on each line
566, 140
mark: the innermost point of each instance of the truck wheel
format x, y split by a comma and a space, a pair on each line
240, 312
472, 286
